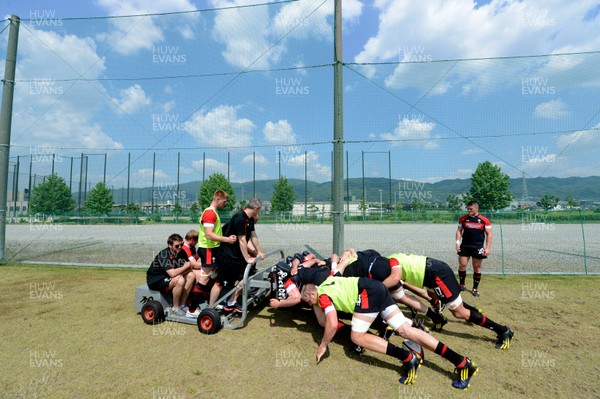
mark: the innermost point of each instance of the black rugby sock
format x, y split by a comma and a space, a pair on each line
481, 320
449, 354
462, 275
398, 352
476, 280
434, 316
471, 308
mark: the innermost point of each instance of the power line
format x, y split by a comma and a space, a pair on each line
192, 76
6, 27
313, 143
169, 13
305, 67
510, 57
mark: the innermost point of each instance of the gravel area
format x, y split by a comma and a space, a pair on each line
517, 248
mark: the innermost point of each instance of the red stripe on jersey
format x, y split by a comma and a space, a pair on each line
485, 220
210, 217
364, 299
447, 293
188, 250
392, 266
474, 226
324, 301
394, 262
288, 283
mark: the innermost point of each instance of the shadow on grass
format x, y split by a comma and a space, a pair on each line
438, 369
302, 319
298, 317
480, 334
253, 312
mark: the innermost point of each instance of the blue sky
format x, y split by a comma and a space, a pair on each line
174, 84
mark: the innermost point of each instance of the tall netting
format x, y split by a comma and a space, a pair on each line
425, 121
153, 105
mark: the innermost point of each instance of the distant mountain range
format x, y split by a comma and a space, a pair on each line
404, 191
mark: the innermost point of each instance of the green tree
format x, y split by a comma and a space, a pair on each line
216, 181
283, 196
155, 217
242, 204
312, 211
571, 203
399, 209
416, 205
195, 212
362, 206
454, 202
133, 210
177, 210
99, 200
548, 202
51, 197
490, 187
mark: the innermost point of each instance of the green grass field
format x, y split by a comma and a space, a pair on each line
72, 333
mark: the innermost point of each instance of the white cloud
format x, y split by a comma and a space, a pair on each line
540, 160
438, 30
583, 141
302, 20
255, 38
130, 35
316, 170
187, 32
259, 158
431, 145
187, 171
571, 157
412, 131
464, 173
145, 175
420, 75
280, 132
262, 176
244, 36
221, 127
132, 99
168, 106
554, 109
472, 151
212, 166
457, 29
543, 164
48, 111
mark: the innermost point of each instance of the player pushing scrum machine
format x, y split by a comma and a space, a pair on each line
365, 299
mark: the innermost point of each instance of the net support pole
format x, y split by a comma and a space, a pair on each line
128, 177
582, 221
338, 135
8, 88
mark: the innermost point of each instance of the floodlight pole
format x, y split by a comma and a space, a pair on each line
8, 87
338, 135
